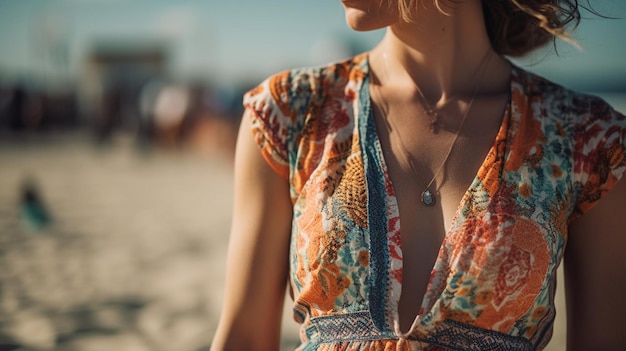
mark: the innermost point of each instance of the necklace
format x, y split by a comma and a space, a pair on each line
432, 112
427, 197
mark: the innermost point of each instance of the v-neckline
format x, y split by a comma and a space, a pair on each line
376, 170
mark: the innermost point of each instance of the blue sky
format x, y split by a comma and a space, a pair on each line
236, 40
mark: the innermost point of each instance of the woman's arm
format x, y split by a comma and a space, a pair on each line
595, 276
257, 264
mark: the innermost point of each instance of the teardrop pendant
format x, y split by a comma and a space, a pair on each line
428, 198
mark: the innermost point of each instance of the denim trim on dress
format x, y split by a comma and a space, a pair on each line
376, 212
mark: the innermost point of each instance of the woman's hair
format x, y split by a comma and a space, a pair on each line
516, 27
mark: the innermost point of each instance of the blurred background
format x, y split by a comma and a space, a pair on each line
117, 127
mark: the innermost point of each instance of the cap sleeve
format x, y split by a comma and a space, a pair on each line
599, 160
269, 108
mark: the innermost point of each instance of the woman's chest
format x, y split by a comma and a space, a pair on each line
504, 235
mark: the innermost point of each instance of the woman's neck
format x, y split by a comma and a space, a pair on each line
438, 52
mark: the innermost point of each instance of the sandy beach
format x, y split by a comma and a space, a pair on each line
134, 257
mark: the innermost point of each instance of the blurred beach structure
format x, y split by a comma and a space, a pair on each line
117, 130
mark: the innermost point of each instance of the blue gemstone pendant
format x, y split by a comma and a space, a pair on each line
428, 198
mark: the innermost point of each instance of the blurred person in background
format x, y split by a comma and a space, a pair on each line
420, 196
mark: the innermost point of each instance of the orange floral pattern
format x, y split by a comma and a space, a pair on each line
556, 154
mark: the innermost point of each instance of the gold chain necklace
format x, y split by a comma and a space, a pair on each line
428, 197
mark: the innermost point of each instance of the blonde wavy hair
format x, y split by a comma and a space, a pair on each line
516, 27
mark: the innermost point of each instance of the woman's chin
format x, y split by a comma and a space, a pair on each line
362, 21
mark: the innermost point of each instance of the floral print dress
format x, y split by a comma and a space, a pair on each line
492, 286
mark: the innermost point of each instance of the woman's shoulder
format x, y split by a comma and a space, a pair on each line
296, 87
580, 132
285, 102
340, 71
552, 99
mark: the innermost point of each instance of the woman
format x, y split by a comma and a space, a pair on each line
488, 168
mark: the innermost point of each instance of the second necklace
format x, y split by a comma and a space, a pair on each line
427, 197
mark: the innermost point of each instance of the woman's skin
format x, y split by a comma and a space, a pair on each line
595, 276
257, 264
441, 54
